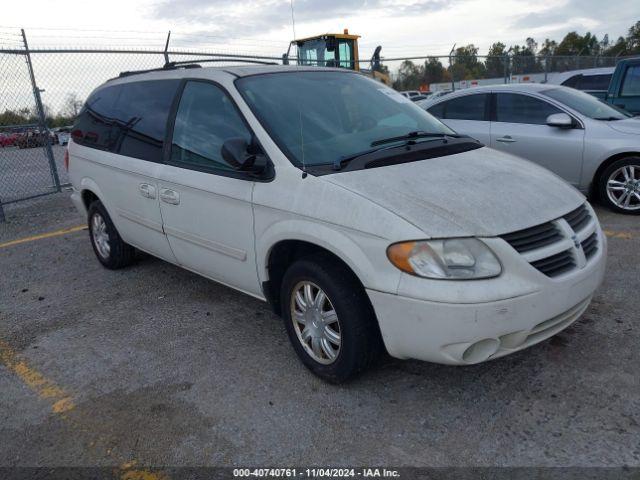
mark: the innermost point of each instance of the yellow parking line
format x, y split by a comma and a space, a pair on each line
60, 401
57, 233
623, 235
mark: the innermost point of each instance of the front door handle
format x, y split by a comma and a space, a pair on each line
505, 139
147, 191
169, 196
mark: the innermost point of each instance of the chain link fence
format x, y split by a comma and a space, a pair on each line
453, 72
42, 90
37, 112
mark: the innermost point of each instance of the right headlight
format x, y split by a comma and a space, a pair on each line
453, 259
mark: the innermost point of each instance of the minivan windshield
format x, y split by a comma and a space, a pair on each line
320, 117
586, 104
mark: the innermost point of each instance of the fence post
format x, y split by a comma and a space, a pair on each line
41, 116
546, 67
166, 49
453, 80
505, 61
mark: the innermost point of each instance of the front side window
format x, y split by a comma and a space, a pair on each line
516, 108
205, 119
631, 83
469, 107
586, 104
319, 117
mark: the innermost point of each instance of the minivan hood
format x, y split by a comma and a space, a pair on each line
481, 192
628, 125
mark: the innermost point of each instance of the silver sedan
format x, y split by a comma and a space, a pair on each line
592, 145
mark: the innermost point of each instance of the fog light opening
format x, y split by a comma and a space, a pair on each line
481, 350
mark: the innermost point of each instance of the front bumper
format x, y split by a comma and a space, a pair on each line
470, 331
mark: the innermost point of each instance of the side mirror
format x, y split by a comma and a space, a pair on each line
560, 120
242, 156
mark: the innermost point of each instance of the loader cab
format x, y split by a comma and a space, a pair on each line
328, 50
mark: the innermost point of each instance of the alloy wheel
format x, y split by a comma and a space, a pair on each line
100, 235
315, 322
623, 188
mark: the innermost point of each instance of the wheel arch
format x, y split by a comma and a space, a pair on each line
277, 250
593, 193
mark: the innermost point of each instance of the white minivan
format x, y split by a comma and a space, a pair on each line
366, 223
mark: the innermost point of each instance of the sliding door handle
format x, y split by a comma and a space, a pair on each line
147, 191
169, 196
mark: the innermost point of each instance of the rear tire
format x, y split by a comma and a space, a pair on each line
111, 250
339, 319
619, 186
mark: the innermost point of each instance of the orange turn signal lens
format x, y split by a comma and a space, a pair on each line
399, 254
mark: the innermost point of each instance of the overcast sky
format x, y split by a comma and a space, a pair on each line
402, 27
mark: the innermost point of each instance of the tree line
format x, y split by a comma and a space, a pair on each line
531, 57
29, 115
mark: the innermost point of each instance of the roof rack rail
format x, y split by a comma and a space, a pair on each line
187, 64
167, 66
231, 58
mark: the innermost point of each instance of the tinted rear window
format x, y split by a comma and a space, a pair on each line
594, 82
469, 107
128, 119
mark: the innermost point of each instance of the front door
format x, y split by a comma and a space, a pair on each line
520, 128
205, 203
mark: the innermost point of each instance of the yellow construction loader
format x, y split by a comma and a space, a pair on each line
336, 50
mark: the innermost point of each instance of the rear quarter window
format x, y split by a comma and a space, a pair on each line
437, 110
128, 119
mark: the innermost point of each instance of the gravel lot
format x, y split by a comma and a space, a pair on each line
156, 365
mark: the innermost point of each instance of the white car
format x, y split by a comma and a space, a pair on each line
591, 144
363, 220
63, 135
411, 93
594, 81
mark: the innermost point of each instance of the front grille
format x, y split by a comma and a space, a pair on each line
578, 219
555, 264
590, 245
561, 237
534, 237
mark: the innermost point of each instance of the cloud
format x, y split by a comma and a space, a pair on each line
228, 17
580, 15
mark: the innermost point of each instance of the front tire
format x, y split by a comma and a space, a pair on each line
111, 250
619, 186
329, 319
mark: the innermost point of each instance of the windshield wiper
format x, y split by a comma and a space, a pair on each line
340, 162
412, 136
378, 146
